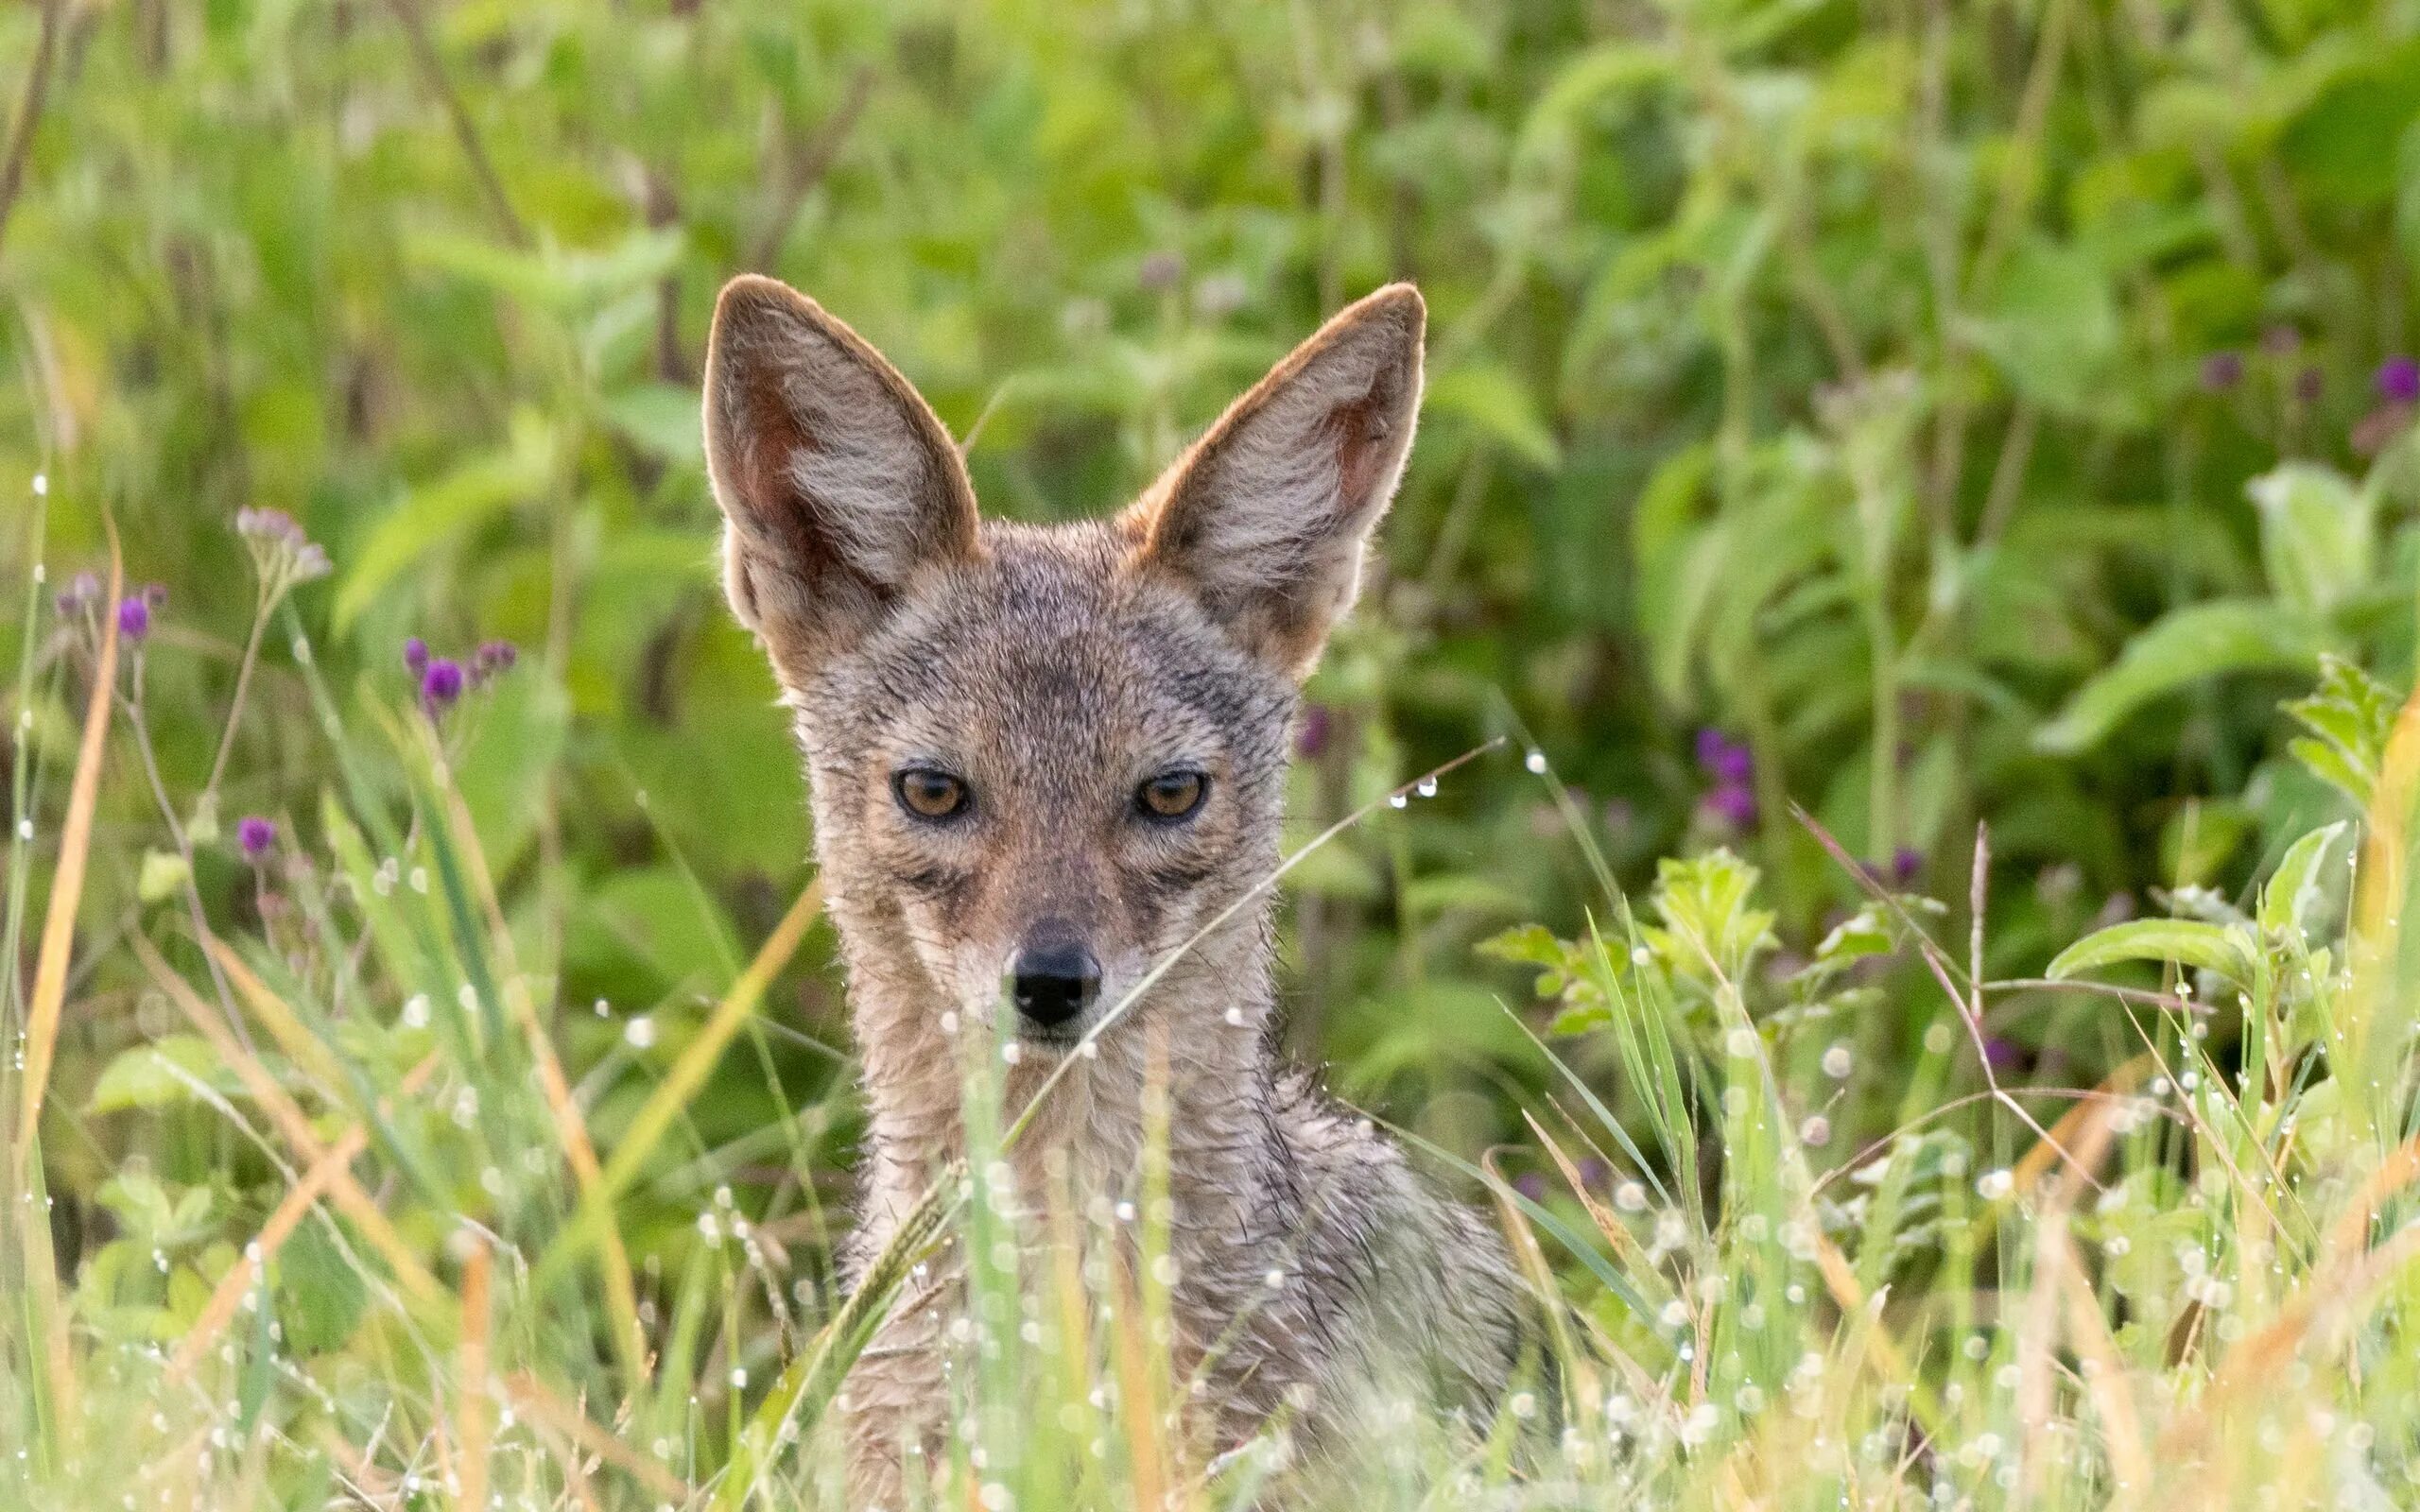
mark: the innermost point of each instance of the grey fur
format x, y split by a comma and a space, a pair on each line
1053, 670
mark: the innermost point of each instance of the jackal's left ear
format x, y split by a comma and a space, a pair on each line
837, 481
1268, 516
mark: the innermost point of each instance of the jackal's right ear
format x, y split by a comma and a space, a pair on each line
838, 483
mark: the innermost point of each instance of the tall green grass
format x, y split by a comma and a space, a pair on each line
398, 1245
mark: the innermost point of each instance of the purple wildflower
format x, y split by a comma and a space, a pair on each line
2281, 340
2002, 1054
1726, 761
2309, 384
255, 835
2398, 381
2222, 370
1734, 804
1310, 736
1531, 1185
133, 617
416, 655
282, 553
493, 659
82, 591
440, 684
1904, 863
269, 526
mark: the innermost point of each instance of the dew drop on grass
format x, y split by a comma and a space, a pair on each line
640, 1032
1535, 761
1427, 787
1398, 800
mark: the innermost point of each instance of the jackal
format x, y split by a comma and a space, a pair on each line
1046, 758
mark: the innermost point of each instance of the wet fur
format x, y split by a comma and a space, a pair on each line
1054, 669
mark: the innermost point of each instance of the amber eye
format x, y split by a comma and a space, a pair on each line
929, 793
1172, 795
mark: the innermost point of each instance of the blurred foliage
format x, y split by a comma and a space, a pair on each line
1968, 414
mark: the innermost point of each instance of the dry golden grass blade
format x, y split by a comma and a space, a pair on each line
1531, 1257
2254, 1363
534, 1401
575, 1466
2105, 1381
1839, 1279
473, 1422
563, 1108
2351, 1230
697, 1058
1140, 1411
44, 1008
48, 1002
1617, 1233
366, 1481
343, 1190
284, 1026
288, 1216
2067, 1134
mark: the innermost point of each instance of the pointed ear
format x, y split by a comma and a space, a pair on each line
838, 483
1266, 517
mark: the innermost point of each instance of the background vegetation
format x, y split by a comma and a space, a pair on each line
1927, 416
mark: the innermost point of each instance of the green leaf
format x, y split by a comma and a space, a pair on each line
2054, 330
2342, 143
2198, 642
160, 1074
515, 741
321, 1297
2318, 534
163, 873
1863, 934
2351, 714
436, 513
662, 418
1499, 406
2293, 897
1704, 901
2186, 941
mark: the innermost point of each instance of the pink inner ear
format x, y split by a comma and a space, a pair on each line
770, 488
1361, 430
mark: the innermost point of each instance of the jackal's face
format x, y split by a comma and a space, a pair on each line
1043, 759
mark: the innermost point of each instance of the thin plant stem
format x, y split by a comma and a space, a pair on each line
263, 602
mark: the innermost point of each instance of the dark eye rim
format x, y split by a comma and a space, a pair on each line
1201, 795
965, 795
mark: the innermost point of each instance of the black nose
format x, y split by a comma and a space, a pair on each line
1054, 981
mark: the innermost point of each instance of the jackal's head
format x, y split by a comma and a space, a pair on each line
1042, 756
